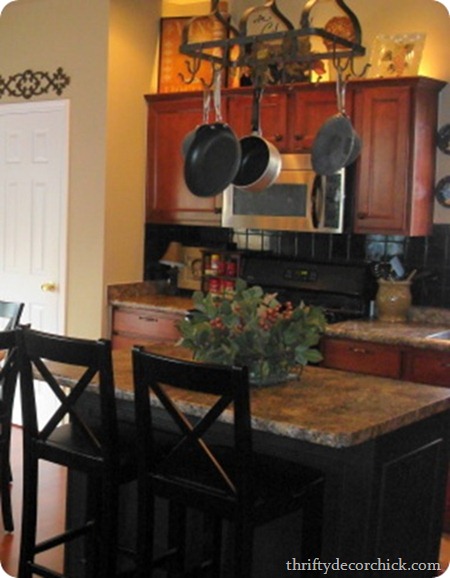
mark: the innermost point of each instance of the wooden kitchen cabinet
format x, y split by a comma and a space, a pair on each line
168, 200
396, 119
273, 116
427, 366
289, 116
309, 109
362, 357
135, 326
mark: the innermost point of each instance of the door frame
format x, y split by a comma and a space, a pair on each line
62, 106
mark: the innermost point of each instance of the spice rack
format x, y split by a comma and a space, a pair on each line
220, 270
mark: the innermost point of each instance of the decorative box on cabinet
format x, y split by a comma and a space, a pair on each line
168, 200
135, 326
397, 120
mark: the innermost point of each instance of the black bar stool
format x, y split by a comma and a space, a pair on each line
226, 482
92, 444
8, 378
10, 313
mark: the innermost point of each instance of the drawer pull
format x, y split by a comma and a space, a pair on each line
149, 319
359, 350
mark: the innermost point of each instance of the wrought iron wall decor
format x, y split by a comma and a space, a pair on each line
30, 83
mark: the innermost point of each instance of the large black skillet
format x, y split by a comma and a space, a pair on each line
214, 155
337, 144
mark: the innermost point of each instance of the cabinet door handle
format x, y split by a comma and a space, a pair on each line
298, 137
278, 138
362, 216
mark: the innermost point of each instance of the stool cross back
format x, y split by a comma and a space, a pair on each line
215, 472
90, 445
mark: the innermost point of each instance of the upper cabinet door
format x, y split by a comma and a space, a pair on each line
168, 199
396, 120
272, 118
310, 107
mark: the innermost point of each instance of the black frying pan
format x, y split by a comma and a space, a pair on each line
336, 144
214, 155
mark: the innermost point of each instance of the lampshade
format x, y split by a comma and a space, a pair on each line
173, 255
3, 3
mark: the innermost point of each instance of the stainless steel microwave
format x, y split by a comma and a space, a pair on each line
299, 200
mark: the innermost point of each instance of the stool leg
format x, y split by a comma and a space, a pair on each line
29, 515
5, 490
177, 539
145, 530
243, 547
312, 524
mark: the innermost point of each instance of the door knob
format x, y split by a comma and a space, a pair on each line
48, 287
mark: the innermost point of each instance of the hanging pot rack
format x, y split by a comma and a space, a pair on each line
237, 49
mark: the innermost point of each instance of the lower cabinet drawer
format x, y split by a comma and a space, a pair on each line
130, 326
362, 357
425, 366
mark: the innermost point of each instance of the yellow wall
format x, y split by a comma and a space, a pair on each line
132, 44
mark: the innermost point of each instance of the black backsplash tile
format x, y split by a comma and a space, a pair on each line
429, 255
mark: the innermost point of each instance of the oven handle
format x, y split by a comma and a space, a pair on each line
317, 201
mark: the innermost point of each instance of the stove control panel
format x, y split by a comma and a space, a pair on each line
301, 274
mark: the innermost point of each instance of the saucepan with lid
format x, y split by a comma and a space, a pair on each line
260, 159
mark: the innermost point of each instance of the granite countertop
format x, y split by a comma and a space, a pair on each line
326, 407
413, 332
422, 321
147, 295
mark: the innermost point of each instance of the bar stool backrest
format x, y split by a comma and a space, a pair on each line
10, 313
193, 463
8, 367
69, 367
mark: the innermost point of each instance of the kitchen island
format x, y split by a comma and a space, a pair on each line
382, 444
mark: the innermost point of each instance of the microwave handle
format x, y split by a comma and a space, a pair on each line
317, 200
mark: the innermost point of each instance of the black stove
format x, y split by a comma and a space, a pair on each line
343, 290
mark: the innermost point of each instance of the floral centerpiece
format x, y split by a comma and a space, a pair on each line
252, 328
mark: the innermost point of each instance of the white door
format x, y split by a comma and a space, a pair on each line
33, 210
